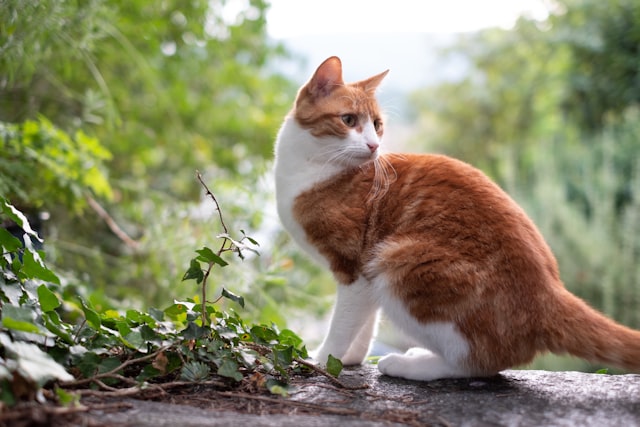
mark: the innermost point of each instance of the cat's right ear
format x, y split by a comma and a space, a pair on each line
326, 78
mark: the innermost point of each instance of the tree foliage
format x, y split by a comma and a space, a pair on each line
146, 94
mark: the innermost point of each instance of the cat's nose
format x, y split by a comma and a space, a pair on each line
373, 146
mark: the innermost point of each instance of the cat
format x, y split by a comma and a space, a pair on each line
446, 254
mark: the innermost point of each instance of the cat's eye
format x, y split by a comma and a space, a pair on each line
349, 120
377, 124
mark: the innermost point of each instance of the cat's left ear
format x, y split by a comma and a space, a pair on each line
327, 77
371, 84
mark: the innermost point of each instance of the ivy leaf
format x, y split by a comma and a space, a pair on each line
263, 334
229, 368
67, 398
34, 268
194, 371
193, 331
8, 241
277, 387
334, 366
253, 241
233, 297
21, 319
34, 363
48, 300
287, 336
283, 354
207, 255
92, 317
18, 217
194, 272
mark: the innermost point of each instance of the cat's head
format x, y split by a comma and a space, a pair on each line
344, 118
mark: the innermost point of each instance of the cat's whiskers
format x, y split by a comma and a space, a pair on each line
344, 155
383, 176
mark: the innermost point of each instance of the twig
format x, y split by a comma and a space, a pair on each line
113, 226
205, 320
114, 372
135, 390
210, 194
330, 377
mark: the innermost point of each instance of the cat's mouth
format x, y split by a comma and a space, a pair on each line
364, 157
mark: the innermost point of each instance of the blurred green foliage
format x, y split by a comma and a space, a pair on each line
551, 111
118, 103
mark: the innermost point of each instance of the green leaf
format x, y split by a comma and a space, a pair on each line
253, 241
194, 371
33, 363
602, 371
21, 319
134, 340
48, 300
18, 217
287, 336
67, 398
8, 241
334, 366
53, 323
263, 334
34, 268
92, 317
277, 387
194, 272
233, 297
193, 331
283, 354
207, 255
229, 368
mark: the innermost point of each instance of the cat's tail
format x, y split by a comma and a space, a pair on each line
581, 331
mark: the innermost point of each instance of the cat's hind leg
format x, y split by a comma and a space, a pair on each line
419, 364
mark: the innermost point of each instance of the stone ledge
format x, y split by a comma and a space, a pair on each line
513, 398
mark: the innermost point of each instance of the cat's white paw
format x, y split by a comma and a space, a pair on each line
355, 359
391, 365
418, 364
418, 351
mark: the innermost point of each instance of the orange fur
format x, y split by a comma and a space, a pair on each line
453, 246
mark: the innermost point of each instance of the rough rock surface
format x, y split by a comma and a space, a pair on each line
513, 398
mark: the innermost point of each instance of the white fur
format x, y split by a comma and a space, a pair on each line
302, 161
352, 326
443, 351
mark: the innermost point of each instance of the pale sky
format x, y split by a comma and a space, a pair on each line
291, 18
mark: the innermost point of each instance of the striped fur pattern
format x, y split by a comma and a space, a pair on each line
449, 257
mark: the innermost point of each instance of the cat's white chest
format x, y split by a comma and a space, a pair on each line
297, 170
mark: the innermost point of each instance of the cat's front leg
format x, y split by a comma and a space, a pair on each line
352, 325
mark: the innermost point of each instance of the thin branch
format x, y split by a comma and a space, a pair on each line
113, 226
114, 372
139, 389
210, 194
330, 377
205, 320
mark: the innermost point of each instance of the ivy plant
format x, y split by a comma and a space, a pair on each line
55, 344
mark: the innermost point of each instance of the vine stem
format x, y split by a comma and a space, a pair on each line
205, 320
114, 372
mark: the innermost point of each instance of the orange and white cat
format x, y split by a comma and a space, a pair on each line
449, 257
